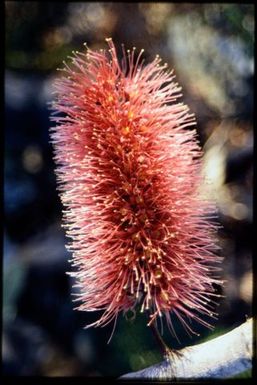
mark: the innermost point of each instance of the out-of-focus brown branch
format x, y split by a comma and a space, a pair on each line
222, 357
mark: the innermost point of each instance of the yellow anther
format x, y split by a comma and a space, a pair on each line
135, 236
139, 199
125, 130
126, 186
130, 114
141, 158
165, 295
158, 273
126, 260
123, 211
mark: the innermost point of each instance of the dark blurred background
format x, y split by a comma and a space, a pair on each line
210, 46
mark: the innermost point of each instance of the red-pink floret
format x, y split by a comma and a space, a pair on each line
128, 168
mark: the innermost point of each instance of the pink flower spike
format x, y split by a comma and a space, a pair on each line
129, 171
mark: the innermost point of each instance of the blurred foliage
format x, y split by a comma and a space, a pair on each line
245, 374
211, 48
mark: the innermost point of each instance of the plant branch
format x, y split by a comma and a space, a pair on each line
221, 357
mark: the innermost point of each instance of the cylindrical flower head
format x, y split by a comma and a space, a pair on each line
129, 171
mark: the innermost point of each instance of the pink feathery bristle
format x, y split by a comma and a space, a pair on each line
128, 167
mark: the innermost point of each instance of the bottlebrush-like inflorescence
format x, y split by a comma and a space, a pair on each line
128, 167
